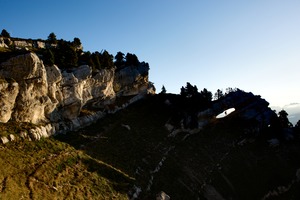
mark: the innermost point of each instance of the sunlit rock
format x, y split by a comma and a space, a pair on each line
9, 92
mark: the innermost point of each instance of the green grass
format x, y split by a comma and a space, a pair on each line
50, 169
3, 50
15, 128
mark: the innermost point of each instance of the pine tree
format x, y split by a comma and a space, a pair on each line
52, 38
284, 121
163, 90
4, 33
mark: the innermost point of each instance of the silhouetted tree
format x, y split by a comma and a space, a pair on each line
95, 60
230, 89
85, 58
297, 127
119, 59
131, 59
189, 90
65, 55
297, 124
106, 60
52, 38
284, 121
206, 95
4, 33
219, 94
163, 90
183, 92
49, 58
76, 42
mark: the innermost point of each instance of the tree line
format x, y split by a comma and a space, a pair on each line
192, 91
69, 54
193, 100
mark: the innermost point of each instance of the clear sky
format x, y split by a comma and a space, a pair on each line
253, 45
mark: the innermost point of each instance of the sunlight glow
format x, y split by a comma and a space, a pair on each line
225, 113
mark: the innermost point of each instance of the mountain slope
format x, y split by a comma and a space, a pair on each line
132, 154
49, 169
221, 161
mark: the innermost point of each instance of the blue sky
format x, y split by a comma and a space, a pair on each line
252, 44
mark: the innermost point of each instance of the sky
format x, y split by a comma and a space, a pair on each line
253, 45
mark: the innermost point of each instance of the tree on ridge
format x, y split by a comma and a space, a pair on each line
4, 33
284, 121
163, 90
52, 38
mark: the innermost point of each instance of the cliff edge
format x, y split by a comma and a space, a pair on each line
34, 92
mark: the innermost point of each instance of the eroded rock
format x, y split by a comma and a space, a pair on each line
9, 92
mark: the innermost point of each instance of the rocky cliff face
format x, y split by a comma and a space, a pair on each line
131, 80
20, 43
2, 43
33, 92
9, 92
247, 106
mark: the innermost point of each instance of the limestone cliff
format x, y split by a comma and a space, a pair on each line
20, 43
44, 94
132, 80
9, 92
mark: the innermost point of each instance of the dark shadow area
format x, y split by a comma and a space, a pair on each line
228, 156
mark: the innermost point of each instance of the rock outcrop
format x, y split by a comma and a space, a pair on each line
39, 94
2, 43
132, 80
32, 102
20, 43
9, 91
247, 105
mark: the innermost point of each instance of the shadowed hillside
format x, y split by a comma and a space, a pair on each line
150, 147
224, 160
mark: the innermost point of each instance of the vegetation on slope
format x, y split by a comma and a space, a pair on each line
67, 54
50, 169
133, 150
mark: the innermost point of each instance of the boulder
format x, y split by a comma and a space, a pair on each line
162, 196
30, 74
39, 44
131, 80
11, 137
2, 43
4, 140
83, 72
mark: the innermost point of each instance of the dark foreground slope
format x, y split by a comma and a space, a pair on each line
132, 154
221, 161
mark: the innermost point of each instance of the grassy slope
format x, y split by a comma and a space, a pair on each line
140, 147
105, 160
50, 169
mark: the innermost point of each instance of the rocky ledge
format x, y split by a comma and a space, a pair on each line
54, 99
